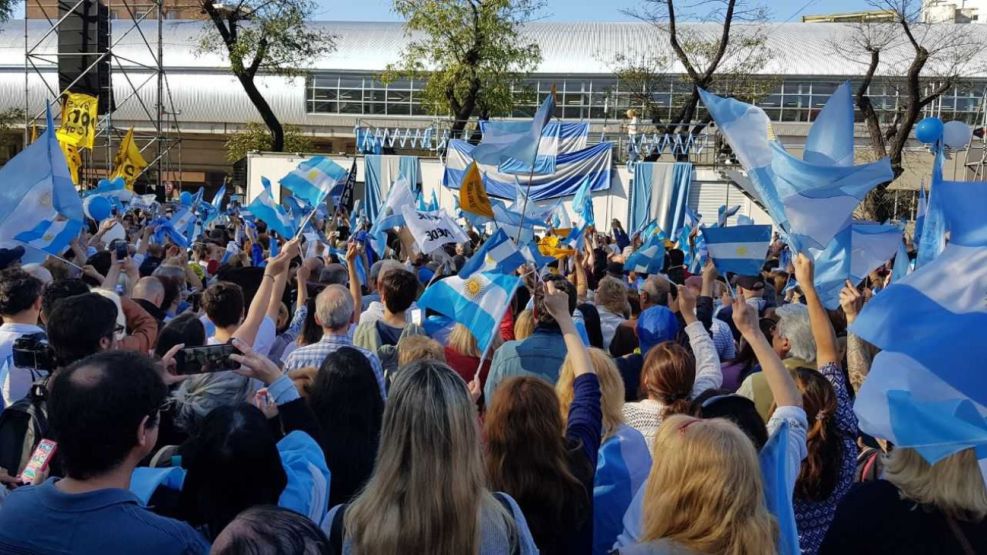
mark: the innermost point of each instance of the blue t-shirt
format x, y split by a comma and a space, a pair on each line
43, 519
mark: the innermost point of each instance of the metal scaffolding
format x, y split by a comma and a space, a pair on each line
156, 146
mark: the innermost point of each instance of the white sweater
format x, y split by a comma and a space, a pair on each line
645, 416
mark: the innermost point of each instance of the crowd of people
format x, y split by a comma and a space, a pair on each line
613, 412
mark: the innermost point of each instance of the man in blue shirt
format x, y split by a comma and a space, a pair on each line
541, 354
103, 412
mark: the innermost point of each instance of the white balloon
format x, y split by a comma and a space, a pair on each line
956, 134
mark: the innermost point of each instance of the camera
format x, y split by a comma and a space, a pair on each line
33, 351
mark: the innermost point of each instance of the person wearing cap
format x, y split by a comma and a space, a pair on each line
655, 325
11, 258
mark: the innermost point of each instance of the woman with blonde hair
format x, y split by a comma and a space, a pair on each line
427, 493
624, 460
463, 355
916, 507
525, 325
705, 493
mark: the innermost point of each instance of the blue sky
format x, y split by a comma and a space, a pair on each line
582, 10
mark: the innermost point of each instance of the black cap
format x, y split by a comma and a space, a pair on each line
615, 269
9, 256
750, 283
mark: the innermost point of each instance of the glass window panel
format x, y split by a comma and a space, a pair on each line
576, 99
350, 108
351, 95
398, 109
771, 100
375, 108
572, 112
324, 94
323, 107
398, 96
373, 95
326, 81
351, 82
418, 110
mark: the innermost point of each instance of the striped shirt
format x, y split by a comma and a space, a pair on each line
313, 355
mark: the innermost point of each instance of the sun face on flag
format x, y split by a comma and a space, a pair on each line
313, 174
741, 250
45, 200
473, 287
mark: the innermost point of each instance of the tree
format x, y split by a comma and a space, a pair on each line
471, 53
256, 137
268, 36
918, 62
727, 60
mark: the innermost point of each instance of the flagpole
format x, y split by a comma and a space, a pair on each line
304, 223
55, 256
524, 205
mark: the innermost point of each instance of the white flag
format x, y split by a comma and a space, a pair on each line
431, 230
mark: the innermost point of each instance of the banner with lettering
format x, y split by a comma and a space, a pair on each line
78, 120
431, 230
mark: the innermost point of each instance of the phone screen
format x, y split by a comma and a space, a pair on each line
203, 360
39, 461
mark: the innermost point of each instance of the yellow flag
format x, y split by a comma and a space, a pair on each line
473, 195
78, 120
549, 246
128, 163
73, 159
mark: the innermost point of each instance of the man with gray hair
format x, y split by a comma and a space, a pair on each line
792, 340
333, 312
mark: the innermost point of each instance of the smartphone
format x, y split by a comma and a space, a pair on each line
39, 461
121, 248
203, 360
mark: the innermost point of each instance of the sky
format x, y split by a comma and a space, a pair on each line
582, 10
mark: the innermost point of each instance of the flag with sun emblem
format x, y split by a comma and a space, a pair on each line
314, 178
478, 302
739, 249
39, 206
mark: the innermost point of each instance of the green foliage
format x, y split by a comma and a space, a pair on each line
470, 52
266, 35
256, 137
7, 9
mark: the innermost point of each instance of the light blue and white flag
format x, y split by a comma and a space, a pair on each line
498, 254
649, 259
273, 214
923, 205
515, 140
738, 249
902, 265
851, 255
582, 203
314, 178
217, 199
390, 215
812, 199
621, 469
179, 229
39, 206
933, 238
725, 212
478, 302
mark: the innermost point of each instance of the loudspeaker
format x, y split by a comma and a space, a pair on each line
83, 36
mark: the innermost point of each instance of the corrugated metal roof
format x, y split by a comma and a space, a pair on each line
581, 48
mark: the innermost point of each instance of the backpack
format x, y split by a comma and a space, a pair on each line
22, 427
337, 530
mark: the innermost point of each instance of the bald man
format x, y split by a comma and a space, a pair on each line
150, 293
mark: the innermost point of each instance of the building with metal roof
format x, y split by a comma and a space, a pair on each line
341, 90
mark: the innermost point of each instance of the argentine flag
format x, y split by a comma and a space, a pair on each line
273, 214
649, 259
851, 255
478, 302
498, 254
39, 206
515, 140
927, 388
811, 199
314, 178
739, 249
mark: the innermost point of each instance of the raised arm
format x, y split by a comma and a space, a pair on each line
708, 372
247, 332
352, 254
822, 327
780, 382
